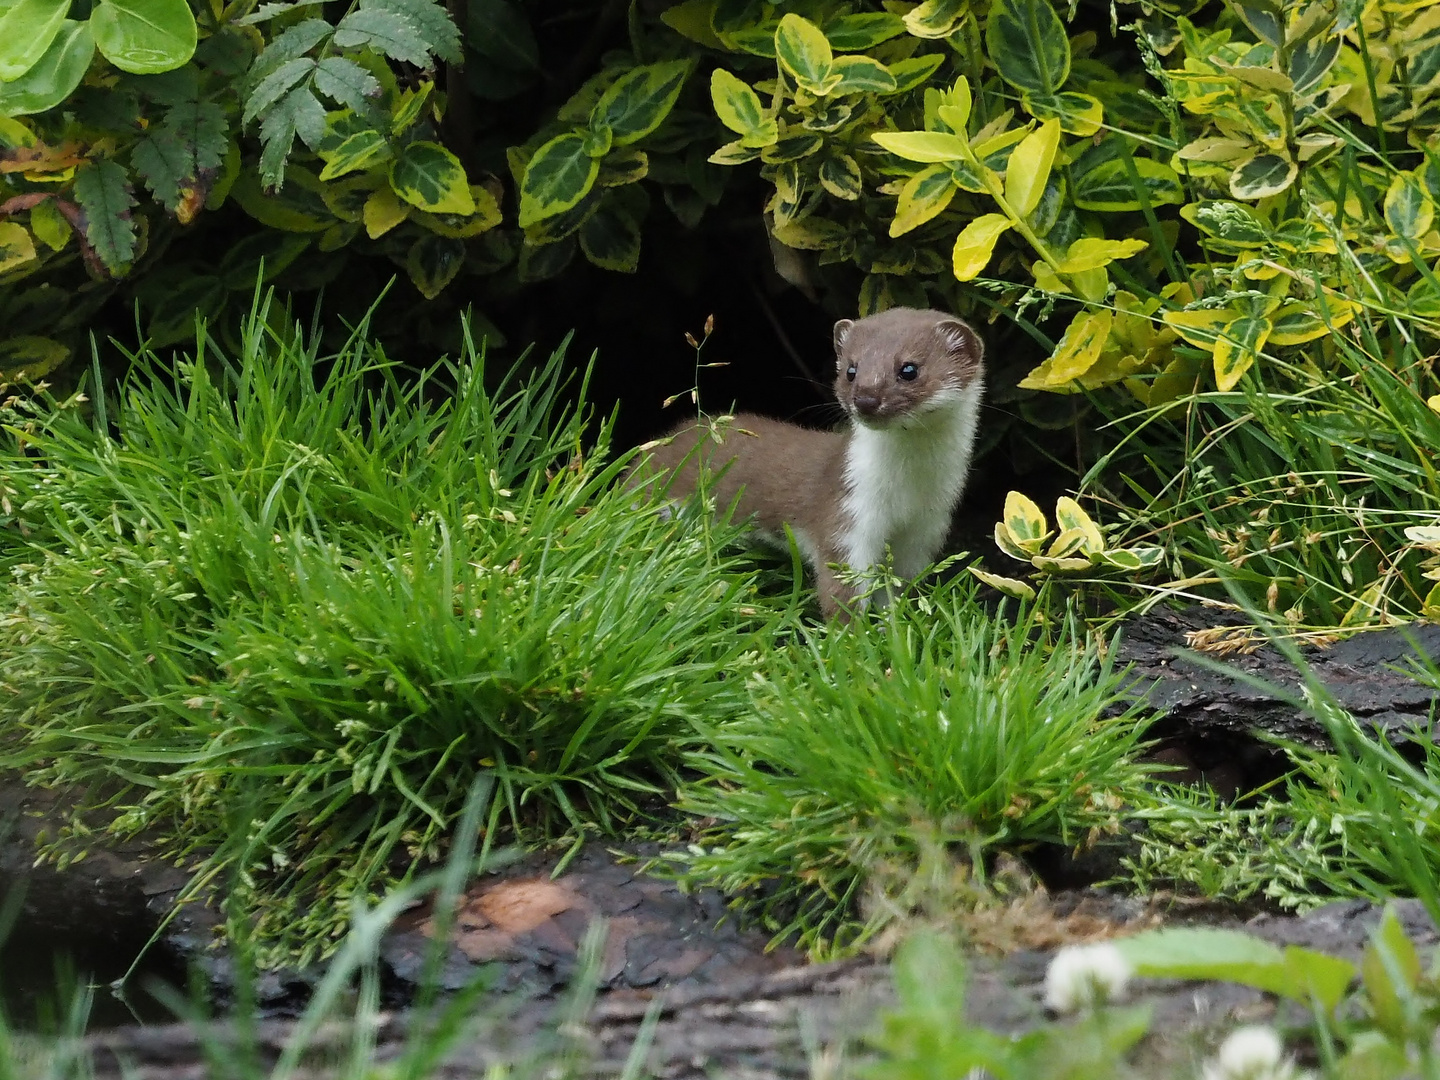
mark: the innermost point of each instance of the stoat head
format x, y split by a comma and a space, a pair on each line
898, 365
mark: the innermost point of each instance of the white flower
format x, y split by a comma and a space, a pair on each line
1251, 1053
1084, 976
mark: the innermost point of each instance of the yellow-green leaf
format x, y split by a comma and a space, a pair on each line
1237, 347
924, 195
805, 54
30, 357
1025, 522
1298, 322
1075, 355
934, 18
383, 211
954, 108
1010, 586
1261, 176
49, 225
429, 176
1066, 543
1141, 557
1091, 253
862, 75
1052, 565
1409, 210
1078, 114
16, 246
559, 175
840, 175
925, 146
739, 109
1069, 515
1029, 167
976, 243
1199, 327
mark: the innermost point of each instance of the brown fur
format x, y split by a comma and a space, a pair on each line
781, 474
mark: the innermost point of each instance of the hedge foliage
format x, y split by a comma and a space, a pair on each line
1163, 191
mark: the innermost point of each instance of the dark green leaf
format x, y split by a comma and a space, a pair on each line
432, 263
636, 103
1312, 59
559, 175
289, 44
144, 37
1102, 180
1267, 22
200, 126
862, 75
55, 77
914, 72
103, 192
241, 268
500, 32
298, 113
840, 175
165, 163
1027, 43
610, 238
357, 151
276, 85
793, 146
267, 11
545, 261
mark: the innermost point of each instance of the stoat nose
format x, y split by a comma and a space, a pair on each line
867, 402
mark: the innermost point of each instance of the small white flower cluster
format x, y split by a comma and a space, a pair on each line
1252, 1053
1085, 977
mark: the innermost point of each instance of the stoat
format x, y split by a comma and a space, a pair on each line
910, 382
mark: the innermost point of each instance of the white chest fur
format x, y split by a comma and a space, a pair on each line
903, 482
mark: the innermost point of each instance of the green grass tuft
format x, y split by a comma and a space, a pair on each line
943, 723
282, 611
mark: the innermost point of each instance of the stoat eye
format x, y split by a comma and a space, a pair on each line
908, 372
850, 373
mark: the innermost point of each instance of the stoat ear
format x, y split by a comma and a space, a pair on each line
842, 331
963, 344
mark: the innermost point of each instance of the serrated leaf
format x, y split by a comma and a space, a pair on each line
289, 44
1237, 347
386, 32
1076, 353
432, 263
1262, 176
16, 246
298, 113
437, 29
557, 178
276, 85
164, 164
201, 127
1028, 169
638, 102
840, 176
103, 192
56, 75
975, 245
144, 37
924, 196
1010, 586
267, 11
804, 53
27, 29
343, 80
739, 109
1027, 43
923, 146
427, 175
862, 75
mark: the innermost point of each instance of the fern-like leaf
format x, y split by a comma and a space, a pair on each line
103, 191
441, 35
